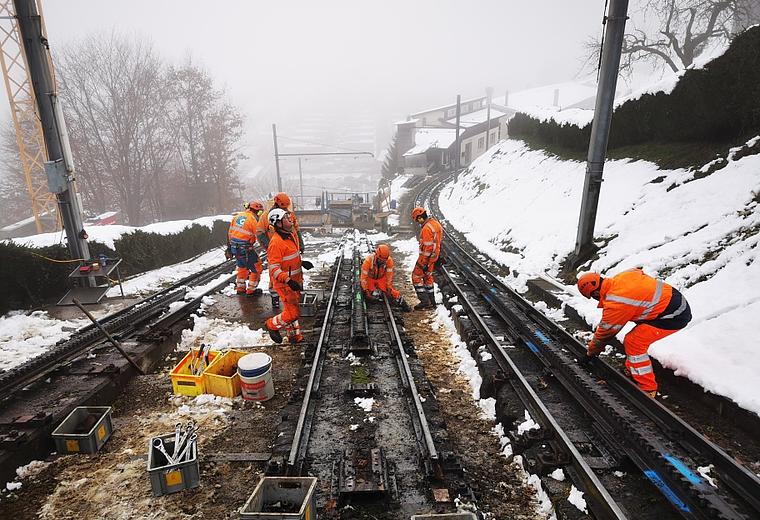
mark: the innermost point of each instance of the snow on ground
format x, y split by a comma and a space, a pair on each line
700, 234
108, 234
26, 336
153, 280
220, 334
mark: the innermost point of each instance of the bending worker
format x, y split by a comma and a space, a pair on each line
657, 308
241, 242
431, 234
286, 276
264, 233
377, 277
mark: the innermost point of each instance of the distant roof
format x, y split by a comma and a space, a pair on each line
571, 93
450, 105
474, 118
427, 138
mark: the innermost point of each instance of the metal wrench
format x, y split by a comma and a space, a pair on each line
158, 444
186, 451
177, 433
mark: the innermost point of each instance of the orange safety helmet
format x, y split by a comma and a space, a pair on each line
418, 212
255, 206
383, 252
588, 283
281, 200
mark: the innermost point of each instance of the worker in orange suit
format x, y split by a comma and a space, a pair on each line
241, 245
377, 277
658, 310
431, 234
285, 272
264, 233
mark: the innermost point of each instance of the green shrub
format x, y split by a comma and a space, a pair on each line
719, 103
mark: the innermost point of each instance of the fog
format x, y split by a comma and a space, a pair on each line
284, 62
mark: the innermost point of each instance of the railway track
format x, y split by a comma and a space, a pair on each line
122, 325
365, 421
37, 395
594, 421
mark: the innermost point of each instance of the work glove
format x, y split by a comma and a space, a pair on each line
228, 253
295, 285
422, 267
306, 264
594, 348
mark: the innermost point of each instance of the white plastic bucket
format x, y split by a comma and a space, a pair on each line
256, 377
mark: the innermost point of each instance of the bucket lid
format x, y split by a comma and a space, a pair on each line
254, 361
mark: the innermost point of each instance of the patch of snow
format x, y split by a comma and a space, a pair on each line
353, 427
558, 474
220, 334
527, 424
13, 486
26, 336
31, 469
576, 498
618, 474
365, 403
705, 472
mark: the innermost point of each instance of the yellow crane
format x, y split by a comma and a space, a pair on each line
26, 120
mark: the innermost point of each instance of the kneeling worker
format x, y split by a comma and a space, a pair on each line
285, 265
377, 277
657, 308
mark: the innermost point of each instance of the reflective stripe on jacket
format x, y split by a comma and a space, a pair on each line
284, 260
634, 296
243, 227
371, 269
431, 235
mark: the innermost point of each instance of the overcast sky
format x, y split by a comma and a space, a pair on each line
397, 56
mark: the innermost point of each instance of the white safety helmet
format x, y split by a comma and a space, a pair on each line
276, 215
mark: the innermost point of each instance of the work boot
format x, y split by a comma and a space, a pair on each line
403, 305
425, 302
298, 338
275, 335
253, 292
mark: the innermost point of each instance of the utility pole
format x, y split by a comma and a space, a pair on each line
276, 157
600, 130
457, 147
489, 94
59, 166
300, 179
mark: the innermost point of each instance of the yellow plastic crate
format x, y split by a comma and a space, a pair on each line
184, 382
222, 377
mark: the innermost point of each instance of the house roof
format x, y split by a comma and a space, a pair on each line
427, 138
474, 118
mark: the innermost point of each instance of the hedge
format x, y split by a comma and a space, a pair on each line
719, 103
28, 280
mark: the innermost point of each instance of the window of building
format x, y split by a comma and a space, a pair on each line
493, 138
424, 121
481, 142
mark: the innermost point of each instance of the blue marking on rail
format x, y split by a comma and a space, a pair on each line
669, 494
540, 335
681, 467
531, 346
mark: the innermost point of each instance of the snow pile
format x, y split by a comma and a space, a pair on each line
220, 334
365, 403
32, 469
108, 234
527, 424
700, 234
576, 498
26, 336
558, 475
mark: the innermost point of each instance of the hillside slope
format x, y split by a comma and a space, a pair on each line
696, 229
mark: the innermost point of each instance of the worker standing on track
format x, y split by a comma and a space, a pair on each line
657, 308
377, 277
431, 234
241, 245
264, 233
285, 272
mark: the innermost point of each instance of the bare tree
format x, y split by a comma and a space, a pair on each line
14, 195
675, 32
114, 91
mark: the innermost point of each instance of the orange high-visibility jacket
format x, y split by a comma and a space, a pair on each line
243, 227
284, 260
371, 269
265, 232
431, 235
630, 296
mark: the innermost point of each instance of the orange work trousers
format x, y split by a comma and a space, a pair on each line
252, 275
382, 284
291, 311
637, 359
423, 280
